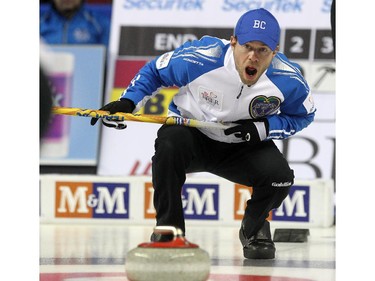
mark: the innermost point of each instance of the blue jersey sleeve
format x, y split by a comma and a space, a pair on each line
176, 68
297, 110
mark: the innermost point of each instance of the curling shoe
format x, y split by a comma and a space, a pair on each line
260, 245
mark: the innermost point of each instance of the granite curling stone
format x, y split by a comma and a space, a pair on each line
173, 260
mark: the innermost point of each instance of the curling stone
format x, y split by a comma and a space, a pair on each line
177, 259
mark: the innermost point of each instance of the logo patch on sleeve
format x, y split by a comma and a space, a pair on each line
163, 60
309, 103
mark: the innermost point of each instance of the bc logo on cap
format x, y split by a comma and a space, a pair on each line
259, 24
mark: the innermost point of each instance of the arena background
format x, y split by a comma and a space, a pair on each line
21, 175
121, 189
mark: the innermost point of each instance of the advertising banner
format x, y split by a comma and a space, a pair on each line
98, 199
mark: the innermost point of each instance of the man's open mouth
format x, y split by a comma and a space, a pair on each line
251, 71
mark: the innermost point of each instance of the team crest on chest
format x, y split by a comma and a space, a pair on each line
261, 106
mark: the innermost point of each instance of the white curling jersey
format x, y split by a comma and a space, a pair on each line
210, 89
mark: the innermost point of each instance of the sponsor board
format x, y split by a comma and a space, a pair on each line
91, 200
209, 201
199, 201
295, 207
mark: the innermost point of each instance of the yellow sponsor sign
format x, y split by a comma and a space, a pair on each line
157, 105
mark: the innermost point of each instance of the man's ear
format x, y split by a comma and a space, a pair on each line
233, 40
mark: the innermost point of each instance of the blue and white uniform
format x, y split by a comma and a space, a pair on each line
210, 89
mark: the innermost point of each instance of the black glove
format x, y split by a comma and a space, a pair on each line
251, 130
123, 105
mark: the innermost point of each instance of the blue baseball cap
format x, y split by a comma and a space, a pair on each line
258, 25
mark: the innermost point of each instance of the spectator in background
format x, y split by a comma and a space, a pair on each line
72, 22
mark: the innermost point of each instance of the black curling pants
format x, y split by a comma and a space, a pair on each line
180, 150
